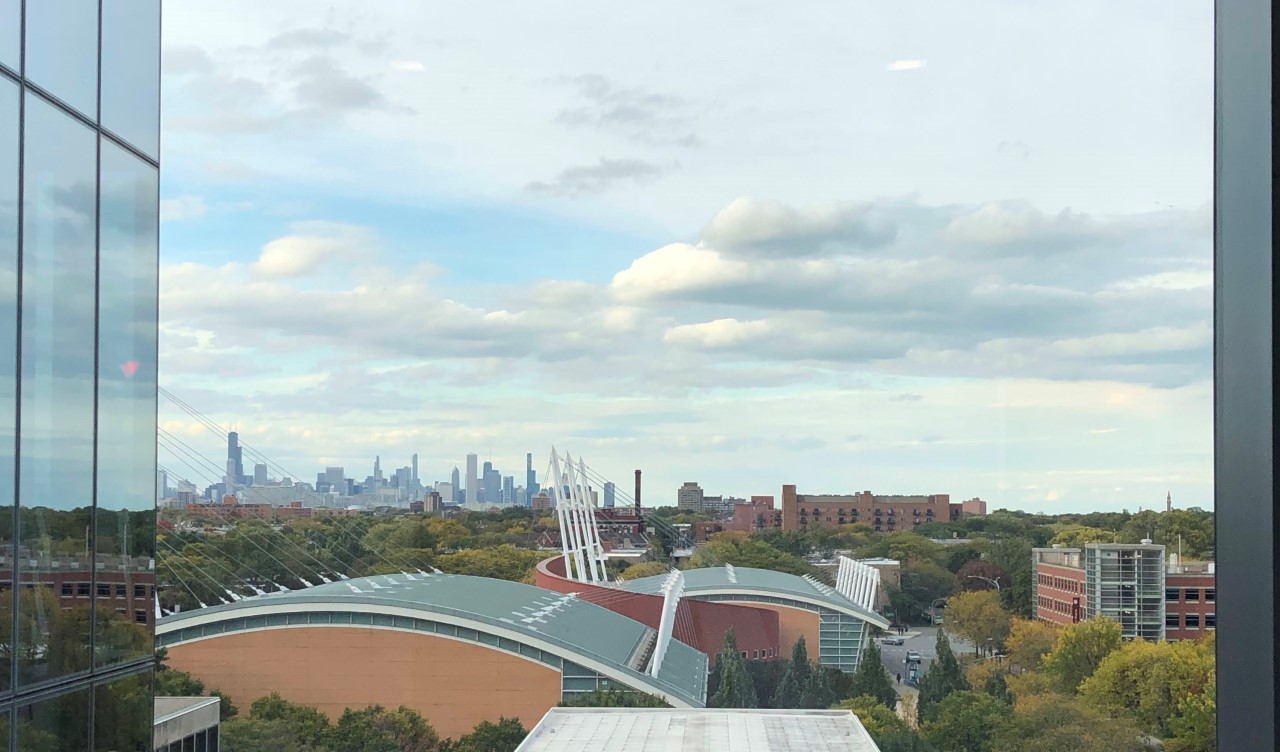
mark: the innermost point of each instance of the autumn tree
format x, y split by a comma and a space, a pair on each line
1148, 680
1029, 641
978, 617
877, 719
1053, 722
1077, 536
376, 729
978, 574
1079, 651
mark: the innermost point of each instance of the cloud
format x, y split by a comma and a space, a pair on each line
410, 66
749, 226
311, 245
716, 334
1006, 224
636, 113
321, 86
186, 59
182, 207
605, 175
307, 38
906, 65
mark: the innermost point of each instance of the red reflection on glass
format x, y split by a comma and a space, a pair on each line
129, 369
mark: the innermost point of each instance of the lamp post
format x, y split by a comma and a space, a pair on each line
996, 583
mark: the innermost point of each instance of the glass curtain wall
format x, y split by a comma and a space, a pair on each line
79, 173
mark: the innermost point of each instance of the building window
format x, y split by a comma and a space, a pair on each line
1193, 621
104, 590
121, 592
1171, 621
66, 588
755, 654
139, 591
1193, 595
1210, 621
1171, 594
82, 589
1210, 595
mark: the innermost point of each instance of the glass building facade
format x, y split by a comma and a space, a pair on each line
79, 215
1125, 583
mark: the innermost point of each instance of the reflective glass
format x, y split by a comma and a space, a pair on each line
8, 336
122, 714
131, 72
60, 724
126, 463
62, 51
10, 32
56, 424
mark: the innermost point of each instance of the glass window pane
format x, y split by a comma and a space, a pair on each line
131, 72
8, 340
126, 464
122, 714
60, 723
56, 426
62, 51
10, 31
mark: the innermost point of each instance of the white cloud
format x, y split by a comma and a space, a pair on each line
311, 245
410, 66
716, 334
906, 65
182, 207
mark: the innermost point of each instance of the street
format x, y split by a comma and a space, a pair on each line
922, 641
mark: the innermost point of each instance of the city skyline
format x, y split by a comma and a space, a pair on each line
706, 269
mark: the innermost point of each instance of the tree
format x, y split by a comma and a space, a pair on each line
877, 719
1029, 641
974, 575
905, 740
376, 729
978, 617
790, 692
259, 735
309, 726
735, 688
1079, 651
504, 562
1053, 722
1013, 555
503, 736
645, 569
871, 679
1195, 725
997, 686
170, 682
965, 722
615, 698
943, 677
1147, 680
743, 550
817, 690
1076, 536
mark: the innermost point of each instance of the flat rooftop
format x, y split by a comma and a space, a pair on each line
698, 730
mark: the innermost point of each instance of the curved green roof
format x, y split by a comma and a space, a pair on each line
555, 623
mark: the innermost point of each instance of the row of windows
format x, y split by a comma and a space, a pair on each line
1060, 583
201, 741
1051, 604
756, 655
853, 512
1190, 621
1190, 595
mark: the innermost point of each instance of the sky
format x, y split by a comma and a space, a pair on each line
959, 248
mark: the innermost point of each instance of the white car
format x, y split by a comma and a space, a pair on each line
893, 641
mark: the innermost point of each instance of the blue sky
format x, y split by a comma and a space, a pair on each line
922, 249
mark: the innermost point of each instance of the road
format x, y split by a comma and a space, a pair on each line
921, 640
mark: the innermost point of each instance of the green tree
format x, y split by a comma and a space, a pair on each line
997, 686
1079, 651
735, 688
503, 736
904, 740
615, 698
1054, 722
943, 677
742, 550
1076, 536
1029, 641
376, 729
877, 719
504, 562
250, 734
170, 682
1195, 724
1147, 681
790, 691
871, 679
644, 569
817, 690
978, 617
1013, 555
310, 726
965, 722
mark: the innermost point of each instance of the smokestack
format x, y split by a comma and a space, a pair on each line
639, 519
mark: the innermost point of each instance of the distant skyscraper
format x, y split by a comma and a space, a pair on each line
455, 481
473, 479
508, 489
162, 484
259, 475
377, 472
492, 485
335, 477
609, 491
235, 457
530, 480
689, 497
415, 470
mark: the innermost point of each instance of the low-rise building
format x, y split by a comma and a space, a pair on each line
884, 513
185, 723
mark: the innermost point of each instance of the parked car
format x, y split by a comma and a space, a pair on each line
893, 641
912, 657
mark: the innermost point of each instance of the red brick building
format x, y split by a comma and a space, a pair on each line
1059, 578
882, 513
1190, 599
757, 514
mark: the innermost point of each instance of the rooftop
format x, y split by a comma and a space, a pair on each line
561, 619
760, 581
701, 730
